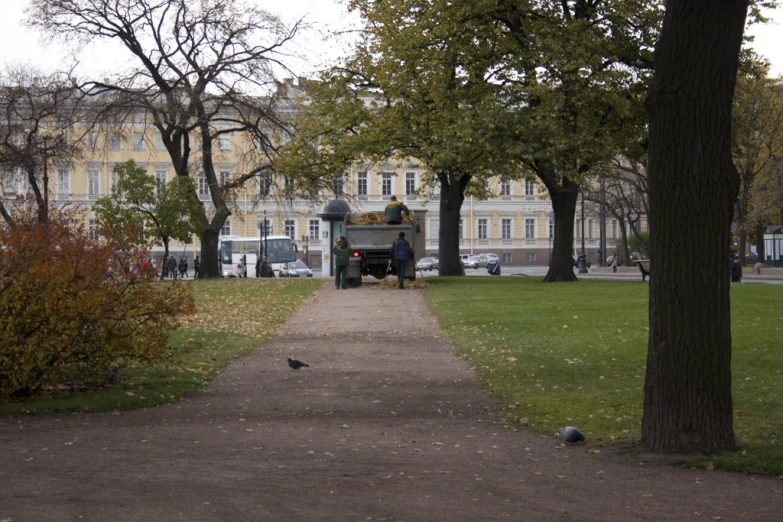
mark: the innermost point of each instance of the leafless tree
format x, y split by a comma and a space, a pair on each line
202, 70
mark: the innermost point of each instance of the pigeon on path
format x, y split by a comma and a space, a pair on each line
571, 434
295, 365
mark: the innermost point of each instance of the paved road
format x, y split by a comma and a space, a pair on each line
386, 424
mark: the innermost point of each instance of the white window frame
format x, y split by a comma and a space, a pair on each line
482, 228
92, 141
386, 184
159, 145
506, 228
161, 178
63, 181
93, 181
289, 226
138, 140
361, 183
530, 228
203, 187
224, 142
411, 183
115, 142
92, 230
505, 187
530, 187
433, 229
226, 229
314, 226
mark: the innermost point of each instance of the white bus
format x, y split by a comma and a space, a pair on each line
233, 249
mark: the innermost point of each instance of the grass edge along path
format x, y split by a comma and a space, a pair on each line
233, 317
558, 354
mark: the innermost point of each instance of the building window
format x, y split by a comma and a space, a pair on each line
289, 186
314, 226
161, 177
434, 230
115, 142
225, 178
410, 183
530, 258
530, 229
505, 229
551, 228
361, 184
92, 141
578, 228
589, 229
63, 181
290, 228
266, 228
508, 258
386, 183
530, 187
264, 184
337, 186
138, 141
92, 230
482, 228
203, 186
434, 192
93, 181
505, 188
226, 229
224, 142
614, 229
159, 141
114, 177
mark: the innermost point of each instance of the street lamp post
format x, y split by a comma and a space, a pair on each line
581, 261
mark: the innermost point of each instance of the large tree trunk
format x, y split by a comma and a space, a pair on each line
209, 267
452, 194
693, 186
563, 197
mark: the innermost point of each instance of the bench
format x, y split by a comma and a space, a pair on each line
644, 268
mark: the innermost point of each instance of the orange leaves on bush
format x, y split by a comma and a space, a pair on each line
72, 308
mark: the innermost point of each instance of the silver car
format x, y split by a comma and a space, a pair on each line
295, 269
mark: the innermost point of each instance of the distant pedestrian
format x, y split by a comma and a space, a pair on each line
171, 265
400, 253
736, 270
394, 211
342, 256
196, 266
183, 267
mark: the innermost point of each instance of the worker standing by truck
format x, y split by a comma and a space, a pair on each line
394, 211
399, 253
342, 256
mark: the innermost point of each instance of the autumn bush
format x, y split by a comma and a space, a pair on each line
73, 308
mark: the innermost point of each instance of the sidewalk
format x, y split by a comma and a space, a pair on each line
386, 424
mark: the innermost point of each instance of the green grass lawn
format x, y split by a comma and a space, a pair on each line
560, 354
233, 317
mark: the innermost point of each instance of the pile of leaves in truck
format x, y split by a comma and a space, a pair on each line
373, 218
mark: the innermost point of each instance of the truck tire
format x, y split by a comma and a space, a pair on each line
353, 283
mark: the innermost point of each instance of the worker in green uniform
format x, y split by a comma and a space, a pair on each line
394, 211
342, 256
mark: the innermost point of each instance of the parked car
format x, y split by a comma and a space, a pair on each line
427, 263
471, 262
482, 261
492, 257
295, 269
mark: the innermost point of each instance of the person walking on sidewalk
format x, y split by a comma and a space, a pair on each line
342, 256
394, 211
400, 253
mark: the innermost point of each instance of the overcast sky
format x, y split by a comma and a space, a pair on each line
20, 45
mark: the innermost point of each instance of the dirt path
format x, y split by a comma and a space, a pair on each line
386, 424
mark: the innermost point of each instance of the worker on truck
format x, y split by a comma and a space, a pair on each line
394, 211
